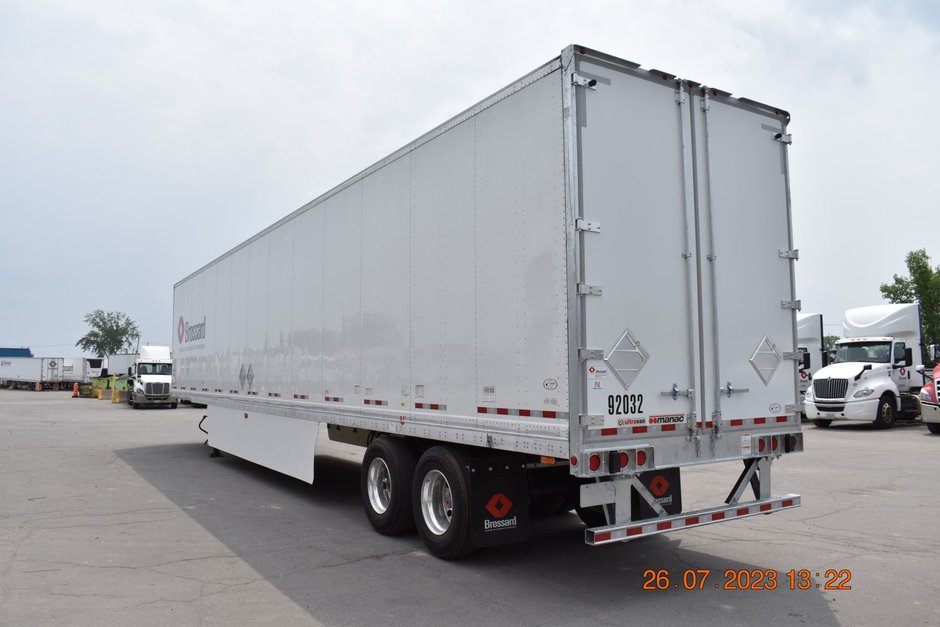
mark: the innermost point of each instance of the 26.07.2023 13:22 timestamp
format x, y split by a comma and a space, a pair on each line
745, 579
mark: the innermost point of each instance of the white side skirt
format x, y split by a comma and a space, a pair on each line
286, 445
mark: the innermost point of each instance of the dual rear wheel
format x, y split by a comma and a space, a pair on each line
431, 493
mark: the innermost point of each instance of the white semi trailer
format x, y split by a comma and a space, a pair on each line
32, 373
497, 311
810, 342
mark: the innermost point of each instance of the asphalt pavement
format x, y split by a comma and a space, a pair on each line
115, 516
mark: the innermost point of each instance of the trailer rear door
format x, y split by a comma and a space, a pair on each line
687, 292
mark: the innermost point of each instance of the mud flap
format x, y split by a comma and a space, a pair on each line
499, 501
665, 486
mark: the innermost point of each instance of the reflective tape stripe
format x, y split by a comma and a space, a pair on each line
432, 406
525, 413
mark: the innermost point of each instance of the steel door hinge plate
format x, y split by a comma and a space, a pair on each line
584, 225
586, 289
591, 421
783, 138
793, 356
590, 353
789, 254
583, 81
791, 304
794, 409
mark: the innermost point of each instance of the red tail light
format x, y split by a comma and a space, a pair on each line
640, 458
574, 460
594, 462
760, 446
773, 443
624, 460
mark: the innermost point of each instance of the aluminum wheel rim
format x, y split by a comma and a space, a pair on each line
379, 485
437, 504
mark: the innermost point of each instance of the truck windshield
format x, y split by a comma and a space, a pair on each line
872, 352
154, 369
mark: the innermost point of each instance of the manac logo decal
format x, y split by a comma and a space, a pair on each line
499, 507
186, 332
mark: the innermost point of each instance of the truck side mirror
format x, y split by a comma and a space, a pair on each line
806, 361
908, 356
130, 371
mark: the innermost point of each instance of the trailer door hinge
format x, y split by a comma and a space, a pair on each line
590, 353
791, 304
586, 289
583, 225
783, 138
789, 254
591, 421
583, 81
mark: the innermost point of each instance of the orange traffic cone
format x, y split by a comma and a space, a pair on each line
74, 390
38, 386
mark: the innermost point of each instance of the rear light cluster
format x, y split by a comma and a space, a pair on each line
777, 444
620, 461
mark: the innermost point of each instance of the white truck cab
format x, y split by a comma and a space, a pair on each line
873, 377
152, 376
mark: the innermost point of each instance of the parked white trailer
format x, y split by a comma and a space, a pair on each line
32, 372
810, 341
497, 311
122, 363
875, 374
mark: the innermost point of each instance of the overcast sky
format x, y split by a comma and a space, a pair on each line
140, 140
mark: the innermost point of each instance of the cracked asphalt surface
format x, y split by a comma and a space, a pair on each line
110, 516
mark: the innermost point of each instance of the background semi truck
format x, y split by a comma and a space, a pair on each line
496, 312
929, 406
874, 376
152, 378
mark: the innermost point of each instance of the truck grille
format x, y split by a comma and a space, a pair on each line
830, 388
156, 389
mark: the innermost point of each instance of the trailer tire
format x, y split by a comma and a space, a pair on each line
388, 469
441, 503
934, 427
887, 412
822, 423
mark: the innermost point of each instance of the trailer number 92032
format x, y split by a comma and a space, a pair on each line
624, 404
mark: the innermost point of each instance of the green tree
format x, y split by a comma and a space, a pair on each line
922, 286
830, 340
111, 332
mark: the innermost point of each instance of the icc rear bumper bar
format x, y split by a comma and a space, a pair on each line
687, 520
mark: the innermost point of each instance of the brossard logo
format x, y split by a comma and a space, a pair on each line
190, 332
498, 507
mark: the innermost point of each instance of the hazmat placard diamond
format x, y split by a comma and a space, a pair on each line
627, 358
250, 377
766, 359
242, 376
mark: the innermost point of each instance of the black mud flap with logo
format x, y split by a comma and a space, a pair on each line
665, 487
499, 500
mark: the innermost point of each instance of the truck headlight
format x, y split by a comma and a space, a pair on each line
924, 395
863, 393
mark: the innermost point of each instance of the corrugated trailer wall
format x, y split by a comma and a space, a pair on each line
433, 283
